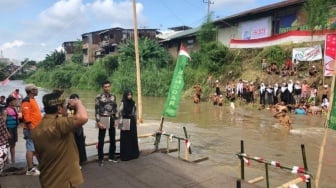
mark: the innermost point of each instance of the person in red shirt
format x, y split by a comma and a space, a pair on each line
288, 64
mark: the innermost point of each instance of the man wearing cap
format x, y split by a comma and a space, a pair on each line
55, 144
31, 118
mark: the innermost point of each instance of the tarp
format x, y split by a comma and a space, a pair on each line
307, 54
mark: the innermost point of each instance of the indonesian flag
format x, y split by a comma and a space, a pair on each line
4, 82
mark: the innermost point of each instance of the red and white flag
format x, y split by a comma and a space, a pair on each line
4, 82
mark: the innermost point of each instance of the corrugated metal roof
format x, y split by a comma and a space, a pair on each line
180, 34
262, 9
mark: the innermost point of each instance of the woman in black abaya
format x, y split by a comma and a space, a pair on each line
129, 148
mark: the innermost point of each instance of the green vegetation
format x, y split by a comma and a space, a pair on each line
157, 66
317, 13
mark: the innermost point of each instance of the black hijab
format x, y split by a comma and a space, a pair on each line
128, 103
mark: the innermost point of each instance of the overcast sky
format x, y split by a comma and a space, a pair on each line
33, 28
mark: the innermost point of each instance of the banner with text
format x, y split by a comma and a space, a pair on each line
255, 29
330, 55
307, 54
177, 84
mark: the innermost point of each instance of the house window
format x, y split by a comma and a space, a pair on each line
190, 41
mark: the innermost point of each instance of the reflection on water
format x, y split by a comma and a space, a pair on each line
216, 132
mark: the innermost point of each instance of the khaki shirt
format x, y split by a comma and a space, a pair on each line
57, 152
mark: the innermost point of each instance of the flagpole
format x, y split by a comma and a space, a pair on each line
17, 69
137, 62
322, 148
15, 72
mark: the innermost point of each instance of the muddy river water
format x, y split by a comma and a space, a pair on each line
216, 132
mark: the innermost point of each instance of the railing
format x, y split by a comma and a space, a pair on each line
304, 174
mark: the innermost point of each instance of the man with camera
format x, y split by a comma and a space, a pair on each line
55, 144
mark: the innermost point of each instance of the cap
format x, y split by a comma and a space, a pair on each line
325, 86
30, 87
217, 81
53, 99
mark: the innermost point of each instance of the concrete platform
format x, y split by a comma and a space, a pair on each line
149, 170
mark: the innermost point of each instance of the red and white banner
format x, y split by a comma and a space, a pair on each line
330, 55
307, 54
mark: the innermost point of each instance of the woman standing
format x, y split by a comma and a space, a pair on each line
11, 119
129, 148
4, 135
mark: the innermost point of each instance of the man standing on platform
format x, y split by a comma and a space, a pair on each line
31, 117
55, 145
105, 112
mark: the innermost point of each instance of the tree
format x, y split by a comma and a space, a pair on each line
110, 62
151, 54
207, 33
51, 61
317, 13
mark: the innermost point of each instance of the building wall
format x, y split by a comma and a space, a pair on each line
226, 34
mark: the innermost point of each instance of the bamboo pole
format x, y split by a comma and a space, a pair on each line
256, 180
319, 168
14, 72
118, 139
320, 161
137, 62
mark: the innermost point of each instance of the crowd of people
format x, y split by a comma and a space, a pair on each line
282, 97
55, 136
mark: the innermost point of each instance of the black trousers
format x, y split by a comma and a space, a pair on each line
101, 139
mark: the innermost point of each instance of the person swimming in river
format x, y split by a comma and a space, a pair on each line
284, 119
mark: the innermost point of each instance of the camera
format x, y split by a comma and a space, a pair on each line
72, 108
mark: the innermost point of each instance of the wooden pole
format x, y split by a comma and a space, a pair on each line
187, 137
242, 173
320, 161
158, 135
319, 168
137, 62
305, 163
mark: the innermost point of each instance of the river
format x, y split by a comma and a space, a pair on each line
216, 132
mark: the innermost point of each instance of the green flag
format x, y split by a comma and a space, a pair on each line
332, 117
176, 84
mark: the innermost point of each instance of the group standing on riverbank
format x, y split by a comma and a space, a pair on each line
48, 137
302, 97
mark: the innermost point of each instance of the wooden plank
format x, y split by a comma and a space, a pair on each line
294, 181
256, 180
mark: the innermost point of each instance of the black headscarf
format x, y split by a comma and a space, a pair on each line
128, 103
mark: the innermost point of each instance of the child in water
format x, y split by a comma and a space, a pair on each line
284, 119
